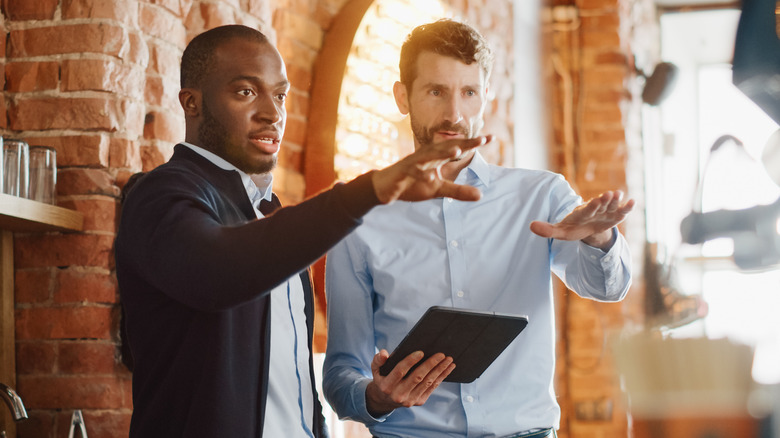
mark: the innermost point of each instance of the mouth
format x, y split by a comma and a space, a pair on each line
447, 135
266, 142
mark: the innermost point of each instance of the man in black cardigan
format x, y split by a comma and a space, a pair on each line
215, 289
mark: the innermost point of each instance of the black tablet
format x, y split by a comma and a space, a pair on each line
474, 339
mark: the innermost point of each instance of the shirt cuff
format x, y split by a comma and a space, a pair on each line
359, 398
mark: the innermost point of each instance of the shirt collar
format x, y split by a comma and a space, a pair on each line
262, 182
478, 168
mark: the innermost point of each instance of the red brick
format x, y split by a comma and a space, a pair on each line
80, 181
179, 8
37, 250
83, 322
77, 38
294, 132
102, 75
211, 15
597, 4
36, 357
606, 76
162, 91
260, 10
87, 286
32, 76
296, 53
101, 423
608, 20
45, 113
298, 26
19, 10
160, 23
75, 150
154, 155
71, 392
600, 40
87, 357
164, 61
164, 126
39, 424
33, 285
610, 117
139, 50
299, 77
119, 10
3, 114
124, 154
603, 135
291, 157
99, 212
297, 104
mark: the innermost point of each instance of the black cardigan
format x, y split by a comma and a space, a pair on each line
195, 270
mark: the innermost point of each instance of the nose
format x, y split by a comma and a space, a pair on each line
452, 109
269, 109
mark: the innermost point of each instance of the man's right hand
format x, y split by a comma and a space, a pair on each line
417, 176
400, 388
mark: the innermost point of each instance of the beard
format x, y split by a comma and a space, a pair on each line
216, 138
424, 136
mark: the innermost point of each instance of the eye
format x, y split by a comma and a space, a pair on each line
281, 97
435, 92
471, 93
247, 92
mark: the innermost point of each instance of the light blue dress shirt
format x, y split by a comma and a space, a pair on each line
290, 400
406, 257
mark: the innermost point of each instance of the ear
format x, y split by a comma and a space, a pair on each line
190, 100
401, 97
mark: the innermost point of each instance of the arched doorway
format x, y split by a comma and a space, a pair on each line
354, 125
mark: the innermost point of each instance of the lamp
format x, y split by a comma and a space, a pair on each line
659, 84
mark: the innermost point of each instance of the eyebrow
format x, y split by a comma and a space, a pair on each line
281, 84
439, 85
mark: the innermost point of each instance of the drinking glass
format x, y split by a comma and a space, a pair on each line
15, 164
43, 174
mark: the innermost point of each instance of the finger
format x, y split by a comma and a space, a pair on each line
543, 229
451, 148
379, 360
400, 371
439, 380
428, 381
459, 192
614, 203
627, 207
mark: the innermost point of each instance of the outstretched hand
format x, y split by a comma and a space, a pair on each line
417, 176
401, 388
591, 222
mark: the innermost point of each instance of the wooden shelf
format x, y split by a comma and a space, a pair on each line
20, 214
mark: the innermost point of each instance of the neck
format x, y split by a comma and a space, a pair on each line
451, 170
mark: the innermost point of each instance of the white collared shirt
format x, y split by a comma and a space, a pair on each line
285, 406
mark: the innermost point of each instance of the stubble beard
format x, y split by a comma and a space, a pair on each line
215, 137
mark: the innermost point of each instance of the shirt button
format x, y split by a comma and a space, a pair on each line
460, 294
470, 399
449, 199
454, 243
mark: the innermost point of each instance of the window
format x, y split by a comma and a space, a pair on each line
682, 174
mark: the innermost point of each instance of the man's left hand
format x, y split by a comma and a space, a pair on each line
591, 222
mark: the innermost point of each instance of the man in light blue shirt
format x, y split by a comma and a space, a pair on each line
495, 254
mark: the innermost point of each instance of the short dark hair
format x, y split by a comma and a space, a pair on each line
198, 57
444, 37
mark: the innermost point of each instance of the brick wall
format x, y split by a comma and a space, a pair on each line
98, 80
595, 109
